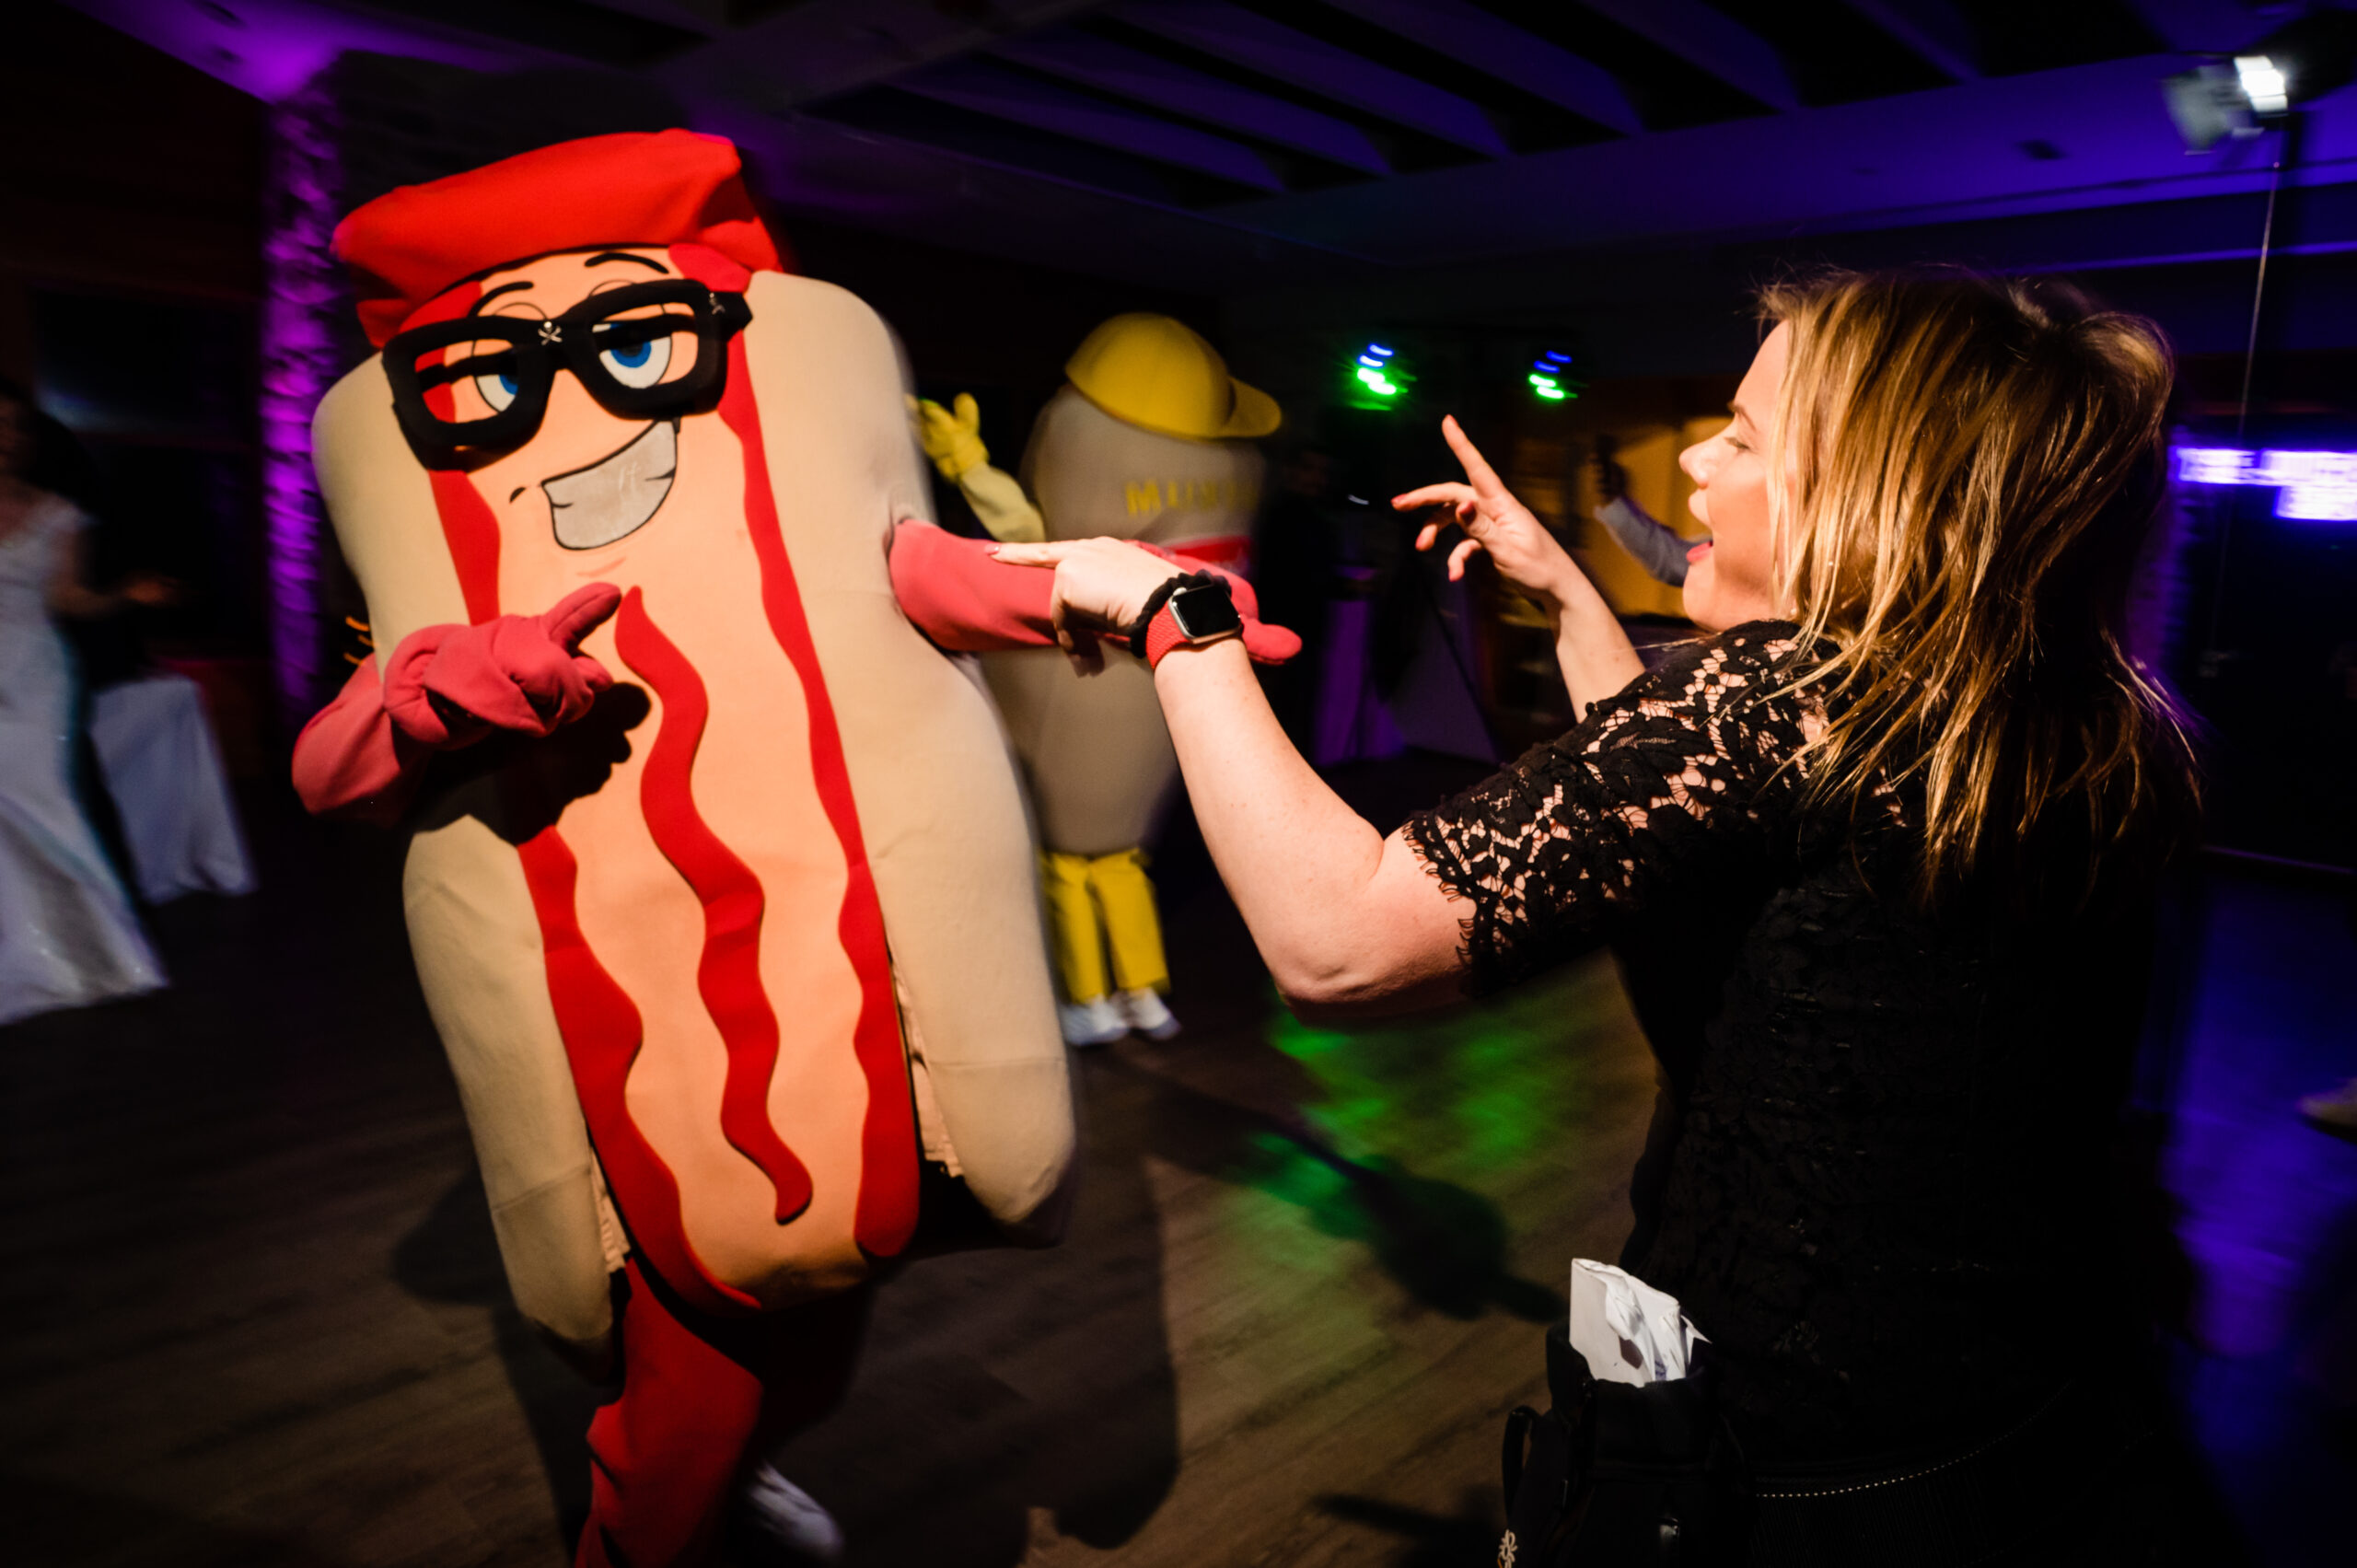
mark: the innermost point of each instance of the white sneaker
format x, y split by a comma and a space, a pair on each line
1147, 1012
1094, 1022
789, 1517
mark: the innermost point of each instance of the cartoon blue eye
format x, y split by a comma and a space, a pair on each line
497, 388
638, 364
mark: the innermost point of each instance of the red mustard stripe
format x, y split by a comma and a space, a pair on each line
600, 1026
602, 1037
467, 521
473, 537
887, 1212
729, 974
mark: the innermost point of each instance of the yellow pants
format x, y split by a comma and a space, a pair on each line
1100, 902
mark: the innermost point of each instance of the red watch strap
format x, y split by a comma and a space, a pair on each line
1162, 635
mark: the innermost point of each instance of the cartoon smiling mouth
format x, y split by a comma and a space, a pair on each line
614, 496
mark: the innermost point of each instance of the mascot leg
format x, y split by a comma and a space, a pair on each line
1090, 1018
701, 1397
1134, 930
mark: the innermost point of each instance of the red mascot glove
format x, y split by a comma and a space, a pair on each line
449, 686
1266, 643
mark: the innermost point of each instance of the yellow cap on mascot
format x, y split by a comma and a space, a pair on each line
1155, 373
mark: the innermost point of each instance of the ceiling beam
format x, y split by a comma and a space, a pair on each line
1711, 41
2199, 26
709, 17
1253, 41
299, 40
1934, 31
823, 48
1488, 42
1115, 68
985, 87
965, 199
1951, 155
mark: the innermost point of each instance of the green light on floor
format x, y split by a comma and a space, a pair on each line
1404, 1138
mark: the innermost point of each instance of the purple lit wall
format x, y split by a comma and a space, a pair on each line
300, 362
2316, 487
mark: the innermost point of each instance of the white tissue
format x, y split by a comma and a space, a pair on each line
1628, 1332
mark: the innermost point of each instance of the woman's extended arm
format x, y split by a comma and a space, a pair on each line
1594, 653
1346, 920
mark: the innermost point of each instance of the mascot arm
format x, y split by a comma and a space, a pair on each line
447, 687
351, 761
965, 600
1001, 505
952, 437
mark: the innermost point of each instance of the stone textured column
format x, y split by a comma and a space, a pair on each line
300, 359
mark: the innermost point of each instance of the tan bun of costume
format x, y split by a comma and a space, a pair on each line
1099, 753
938, 805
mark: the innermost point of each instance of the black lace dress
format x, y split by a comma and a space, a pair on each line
1878, 1181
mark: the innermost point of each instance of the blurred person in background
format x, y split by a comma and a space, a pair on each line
1660, 549
67, 933
145, 765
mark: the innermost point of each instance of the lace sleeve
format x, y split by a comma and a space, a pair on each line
1660, 791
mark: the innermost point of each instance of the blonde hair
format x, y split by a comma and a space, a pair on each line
1975, 468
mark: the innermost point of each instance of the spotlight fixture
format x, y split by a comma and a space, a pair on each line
2242, 95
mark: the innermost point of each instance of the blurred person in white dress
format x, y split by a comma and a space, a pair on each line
67, 933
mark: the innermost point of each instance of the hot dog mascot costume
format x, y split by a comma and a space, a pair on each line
720, 887
1150, 438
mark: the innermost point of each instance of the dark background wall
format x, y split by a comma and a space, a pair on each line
143, 195
130, 269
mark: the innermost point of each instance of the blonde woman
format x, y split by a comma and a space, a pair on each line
1878, 853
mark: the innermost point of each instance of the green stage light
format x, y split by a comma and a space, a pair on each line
1548, 380
1375, 378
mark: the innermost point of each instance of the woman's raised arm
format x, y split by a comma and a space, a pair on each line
1594, 653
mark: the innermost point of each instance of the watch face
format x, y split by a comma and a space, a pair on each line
1203, 612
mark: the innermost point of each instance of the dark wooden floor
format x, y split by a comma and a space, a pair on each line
251, 1311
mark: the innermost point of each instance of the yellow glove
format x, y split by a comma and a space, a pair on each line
953, 440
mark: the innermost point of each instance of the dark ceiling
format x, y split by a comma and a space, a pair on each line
1223, 145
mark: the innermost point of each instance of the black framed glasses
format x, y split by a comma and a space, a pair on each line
481, 383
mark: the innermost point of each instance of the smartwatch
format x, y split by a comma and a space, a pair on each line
1185, 613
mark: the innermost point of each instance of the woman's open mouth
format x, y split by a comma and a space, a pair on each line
1698, 551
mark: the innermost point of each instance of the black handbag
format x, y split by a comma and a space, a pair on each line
1645, 1476
1626, 1476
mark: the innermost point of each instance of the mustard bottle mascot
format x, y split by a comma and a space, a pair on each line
720, 887
1150, 438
